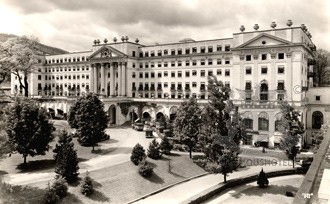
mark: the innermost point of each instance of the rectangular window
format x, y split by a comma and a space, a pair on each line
219, 61
194, 63
159, 64
280, 69
227, 72
227, 48
264, 70
248, 70
165, 64
141, 65
210, 49
173, 52
280, 55
152, 74
210, 73
165, 84
248, 86
179, 74
202, 49
194, 84
152, 65
317, 98
133, 74
146, 65
165, 73
187, 63
227, 84
141, 54
133, 53
39, 77
227, 61
202, 73
87, 76
248, 57
187, 73
173, 74
263, 56
280, 86
219, 72
159, 74
173, 64
202, 62
219, 48
141, 75
187, 51
133, 65
210, 61
159, 53
152, 53
165, 52
194, 50
179, 51
179, 63
146, 54
194, 73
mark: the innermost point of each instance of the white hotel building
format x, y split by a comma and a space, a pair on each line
261, 67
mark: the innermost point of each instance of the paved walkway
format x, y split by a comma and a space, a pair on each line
184, 191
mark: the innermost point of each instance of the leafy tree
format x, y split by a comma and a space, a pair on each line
145, 169
227, 162
20, 56
188, 122
165, 146
87, 115
50, 196
28, 128
291, 129
138, 154
61, 187
153, 150
87, 187
66, 158
321, 76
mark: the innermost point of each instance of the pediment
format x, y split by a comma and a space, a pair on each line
264, 40
107, 52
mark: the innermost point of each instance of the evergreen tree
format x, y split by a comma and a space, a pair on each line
165, 146
291, 129
188, 122
87, 115
153, 150
138, 154
87, 187
66, 158
50, 196
28, 129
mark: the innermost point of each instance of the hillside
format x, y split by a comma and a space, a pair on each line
43, 48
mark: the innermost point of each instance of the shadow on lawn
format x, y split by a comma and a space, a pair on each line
71, 198
36, 165
99, 196
271, 189
110, 141
156, 179
113, 150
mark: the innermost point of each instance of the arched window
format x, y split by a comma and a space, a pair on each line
264, 91
317, 120
278, 118
248, 120
263, 121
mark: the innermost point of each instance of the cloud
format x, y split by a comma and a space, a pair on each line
73, 25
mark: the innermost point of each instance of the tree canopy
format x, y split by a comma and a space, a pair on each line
321, 73
28, 128
90, 120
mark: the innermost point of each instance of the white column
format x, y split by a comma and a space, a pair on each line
102, 79
119, 79
112, 78
95, 78
123, 79
91, 78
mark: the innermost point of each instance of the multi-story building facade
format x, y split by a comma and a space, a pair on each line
262, 68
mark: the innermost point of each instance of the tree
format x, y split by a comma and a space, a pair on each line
227, 162
138, 154
66, 158
153, 150
188, 122
50, 196
20, 56
291, 129
87, 187
262, 179
165, 146
320, 68
28, 128
87, 115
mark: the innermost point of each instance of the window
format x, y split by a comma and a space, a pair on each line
146, 75
264, 70
166, 52
219, 72
146, 65
280, 69
165, 84
172, 74
108, 74
179, 63
194, 50
194, 72
248, 70
133, 53
263, 56
264, 92
280, 55
210, 73
141, 65
187, 51
179, 51
152, 54
280, 86
202, 73
159, 64
248, 86
210, 62
202, 49
39, 77
133, 65
159, 74
203, 62
173, 64
317, 98
280, 97
263, 122
152, 65
173, 52
87, 76
146, 54
194, 63
165, 73
159, 53
227, 61
248, 123
227, 48
219, 61
179, 74
194, 84
317, 120
141, 54
210, 49
187, 62
219, 48
227, 84
165, 64
141, 75
227, 72
248, 57
202, 88
187, 73
152, 74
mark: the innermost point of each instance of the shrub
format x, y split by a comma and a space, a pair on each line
138, 154
153, 151
201, 162
87, 187
262, 179
61, 187
213, 167
178, 147
167, 133
145, 169
51, 196
166, 146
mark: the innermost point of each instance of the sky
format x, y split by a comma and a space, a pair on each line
73, 25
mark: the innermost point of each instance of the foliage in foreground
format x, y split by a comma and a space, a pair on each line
165, 146
153, 150
87, 187
28, 128
145, 169
138, 154
50, 196
61, 187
